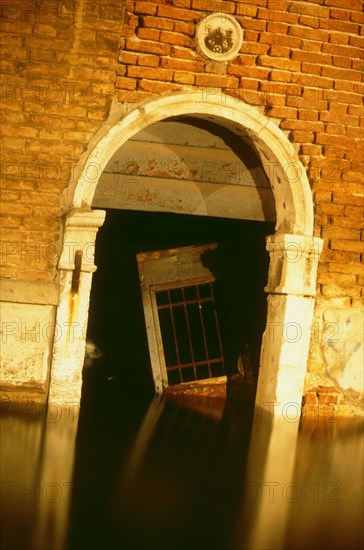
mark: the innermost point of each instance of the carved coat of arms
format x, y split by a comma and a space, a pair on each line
219, 40
219, 36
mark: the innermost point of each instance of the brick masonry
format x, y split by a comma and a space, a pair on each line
301, 63
57, 84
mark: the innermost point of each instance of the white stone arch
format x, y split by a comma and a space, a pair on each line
294, 252
290, 186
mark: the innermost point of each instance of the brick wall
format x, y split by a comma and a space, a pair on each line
301, 63
58, 72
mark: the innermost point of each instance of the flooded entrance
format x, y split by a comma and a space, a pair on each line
190, 334
151, 474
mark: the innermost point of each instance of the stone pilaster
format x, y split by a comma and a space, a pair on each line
285, 345
76, 267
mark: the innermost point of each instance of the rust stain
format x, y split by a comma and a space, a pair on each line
73, 300
72, 314
71, 307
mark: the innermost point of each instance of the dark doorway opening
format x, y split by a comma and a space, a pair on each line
116, 319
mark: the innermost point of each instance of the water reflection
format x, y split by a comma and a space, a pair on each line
327, 508
169, 479
150, 473
37, 458
269, 471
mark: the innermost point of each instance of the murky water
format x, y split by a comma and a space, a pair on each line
151, 474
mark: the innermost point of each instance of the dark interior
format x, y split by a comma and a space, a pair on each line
116, 319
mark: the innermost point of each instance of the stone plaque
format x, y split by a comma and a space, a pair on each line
219, 37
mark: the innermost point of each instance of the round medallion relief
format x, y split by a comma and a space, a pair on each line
219, 37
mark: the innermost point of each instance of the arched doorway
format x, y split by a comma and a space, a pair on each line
293, 250
171, 192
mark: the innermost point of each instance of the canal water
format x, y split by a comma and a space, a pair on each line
142, 472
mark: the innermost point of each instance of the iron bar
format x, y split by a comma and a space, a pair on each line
199, 301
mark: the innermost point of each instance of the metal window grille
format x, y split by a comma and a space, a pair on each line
190, 333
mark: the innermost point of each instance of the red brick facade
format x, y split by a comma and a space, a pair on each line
300, 63
58, 74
